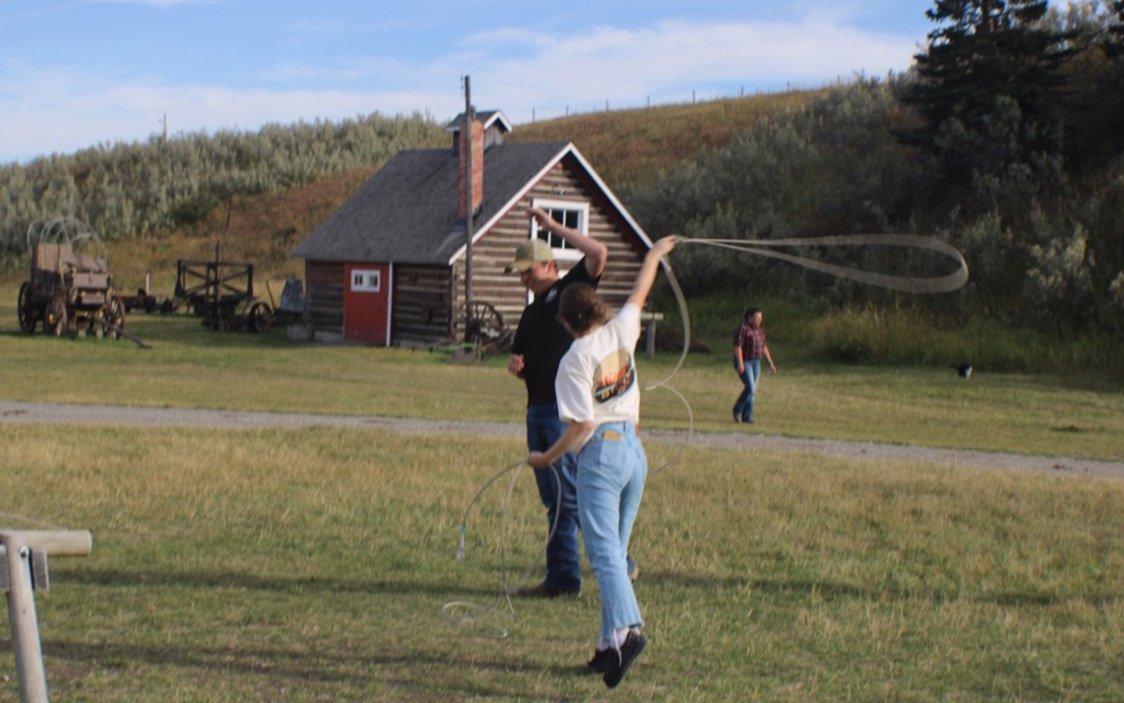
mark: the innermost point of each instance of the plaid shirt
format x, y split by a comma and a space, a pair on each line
751, 340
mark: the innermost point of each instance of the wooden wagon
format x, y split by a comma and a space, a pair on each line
68, 287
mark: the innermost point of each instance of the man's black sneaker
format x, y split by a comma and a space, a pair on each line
620, 662
545, 590
600, 660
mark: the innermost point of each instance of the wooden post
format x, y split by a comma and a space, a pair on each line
470, 203
649, 319
16, 548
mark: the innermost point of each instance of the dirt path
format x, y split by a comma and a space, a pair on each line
16, 413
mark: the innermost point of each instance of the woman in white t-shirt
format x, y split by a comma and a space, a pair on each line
599, 398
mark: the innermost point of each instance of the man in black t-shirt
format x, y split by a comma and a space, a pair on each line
540, 342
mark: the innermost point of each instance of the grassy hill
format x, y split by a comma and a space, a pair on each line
628, 148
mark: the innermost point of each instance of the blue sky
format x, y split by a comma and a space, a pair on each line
76, 73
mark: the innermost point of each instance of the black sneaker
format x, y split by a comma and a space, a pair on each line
737, 415
600, 660
621, 661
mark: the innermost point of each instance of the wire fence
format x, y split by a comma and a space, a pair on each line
696, 97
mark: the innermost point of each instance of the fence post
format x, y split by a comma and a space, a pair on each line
16, 550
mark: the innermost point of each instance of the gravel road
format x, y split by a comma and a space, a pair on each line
17, 413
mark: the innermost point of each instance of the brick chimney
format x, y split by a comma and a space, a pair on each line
477, 168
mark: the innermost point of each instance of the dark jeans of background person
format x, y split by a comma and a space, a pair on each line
563, 560
744, 407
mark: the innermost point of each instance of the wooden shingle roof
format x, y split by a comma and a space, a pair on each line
407, 211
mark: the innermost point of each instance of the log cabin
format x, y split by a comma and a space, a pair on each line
387, 267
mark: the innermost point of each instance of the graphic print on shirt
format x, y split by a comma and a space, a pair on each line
613, 376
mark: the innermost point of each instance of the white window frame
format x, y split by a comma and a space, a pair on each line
366, 280
565, 258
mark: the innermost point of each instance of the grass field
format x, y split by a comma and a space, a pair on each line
189, 366
314, 564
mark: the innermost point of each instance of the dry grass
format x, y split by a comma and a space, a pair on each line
313, 565
631, 147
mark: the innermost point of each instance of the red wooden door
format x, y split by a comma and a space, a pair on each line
366, 303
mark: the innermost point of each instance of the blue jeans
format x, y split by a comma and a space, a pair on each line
752, 374
612, 468
563, 559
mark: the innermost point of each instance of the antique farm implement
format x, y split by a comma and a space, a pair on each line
222, 293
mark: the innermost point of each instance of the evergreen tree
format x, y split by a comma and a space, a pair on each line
1114, 47
989, 61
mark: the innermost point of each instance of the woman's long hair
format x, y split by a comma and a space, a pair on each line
581, 309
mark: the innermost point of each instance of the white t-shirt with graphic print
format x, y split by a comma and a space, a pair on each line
597, 379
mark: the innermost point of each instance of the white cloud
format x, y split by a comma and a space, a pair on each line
65, 109
669, 59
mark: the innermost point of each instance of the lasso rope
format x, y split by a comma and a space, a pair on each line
664, 384
763, 247
908, 284
493, 621
490, 621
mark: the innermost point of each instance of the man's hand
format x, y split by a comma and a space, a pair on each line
515, 364
537, 460
541, 217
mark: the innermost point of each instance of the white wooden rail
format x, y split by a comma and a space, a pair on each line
23, 570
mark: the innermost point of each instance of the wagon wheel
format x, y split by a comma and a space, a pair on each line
484, 326
115, 318
25, 309
261, 317
55, 321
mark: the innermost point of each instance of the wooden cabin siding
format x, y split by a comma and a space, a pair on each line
422, 304
493, 252
324, 295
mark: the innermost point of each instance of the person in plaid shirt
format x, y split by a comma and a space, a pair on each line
749, 349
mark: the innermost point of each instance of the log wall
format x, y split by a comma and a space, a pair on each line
493, 251
422, 304
323, 307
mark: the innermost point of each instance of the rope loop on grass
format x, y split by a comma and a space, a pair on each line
482, 620
492, 621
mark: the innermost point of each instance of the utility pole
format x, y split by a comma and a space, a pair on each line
469, 119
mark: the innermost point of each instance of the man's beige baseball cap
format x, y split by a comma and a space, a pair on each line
528, 253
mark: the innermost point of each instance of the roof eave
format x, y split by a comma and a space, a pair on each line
568, 149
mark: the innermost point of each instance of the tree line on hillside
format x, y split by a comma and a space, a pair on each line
1006, 140
124, 190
